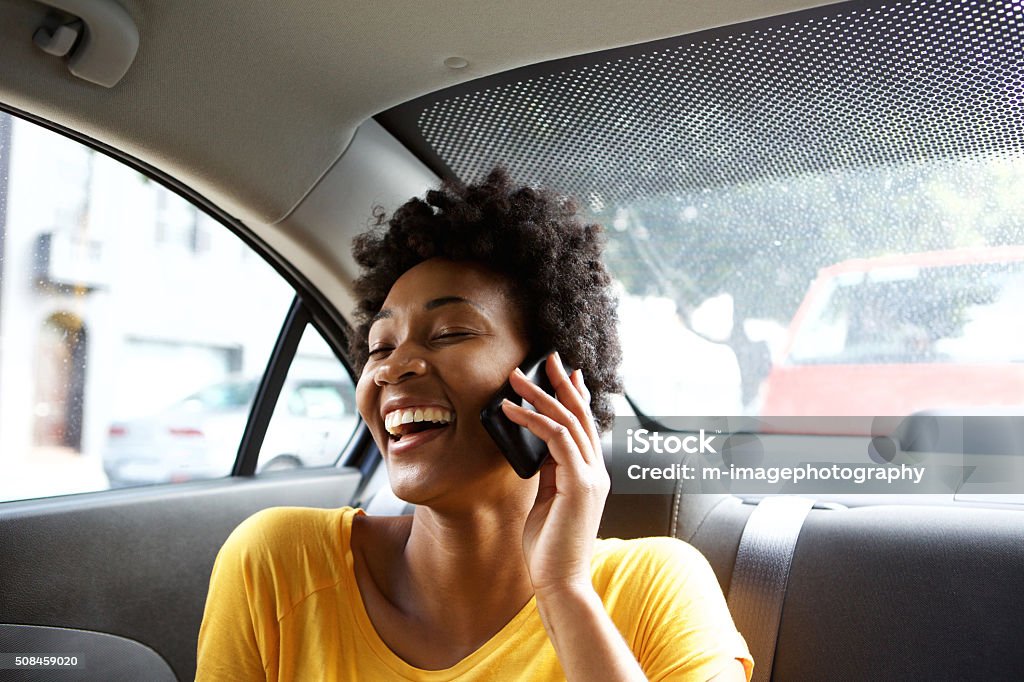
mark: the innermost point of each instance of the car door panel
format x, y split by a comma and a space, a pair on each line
136, 563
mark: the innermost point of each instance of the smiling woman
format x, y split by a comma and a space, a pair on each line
446, 342
493, 576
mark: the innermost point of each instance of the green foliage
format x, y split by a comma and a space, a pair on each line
764, 243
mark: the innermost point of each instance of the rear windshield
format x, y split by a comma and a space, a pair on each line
730, 167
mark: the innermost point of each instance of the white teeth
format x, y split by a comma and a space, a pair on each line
393, 421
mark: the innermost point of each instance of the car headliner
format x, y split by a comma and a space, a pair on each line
251, 103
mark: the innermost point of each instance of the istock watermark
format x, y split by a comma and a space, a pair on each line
819, 455
642, 441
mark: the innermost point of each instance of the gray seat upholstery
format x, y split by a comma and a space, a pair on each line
889, 592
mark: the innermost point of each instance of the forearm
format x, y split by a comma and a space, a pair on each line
588, 645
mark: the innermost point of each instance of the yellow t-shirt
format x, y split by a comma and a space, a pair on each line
284, 605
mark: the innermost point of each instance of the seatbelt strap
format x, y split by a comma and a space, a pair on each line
758, 585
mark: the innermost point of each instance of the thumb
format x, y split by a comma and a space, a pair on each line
547, 488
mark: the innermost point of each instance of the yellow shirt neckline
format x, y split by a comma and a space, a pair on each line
504, 636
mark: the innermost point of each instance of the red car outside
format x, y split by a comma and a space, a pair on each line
895, 335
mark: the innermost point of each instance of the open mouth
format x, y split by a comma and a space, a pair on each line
416, 420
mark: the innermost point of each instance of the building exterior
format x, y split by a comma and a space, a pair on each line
117, 298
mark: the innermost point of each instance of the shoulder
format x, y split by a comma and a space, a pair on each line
277, 537
282, 554
666, 600
650, 557
283, 525
657, 577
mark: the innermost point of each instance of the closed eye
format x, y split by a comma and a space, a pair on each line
453, 335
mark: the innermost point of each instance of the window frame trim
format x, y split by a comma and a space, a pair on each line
271, 383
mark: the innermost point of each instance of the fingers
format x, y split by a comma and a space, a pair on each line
589, 424
577, 381
562, 440
573, 393
569, 409
548, 486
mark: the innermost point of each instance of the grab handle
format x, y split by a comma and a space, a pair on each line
100, 42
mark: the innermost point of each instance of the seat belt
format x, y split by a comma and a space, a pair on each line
758, 585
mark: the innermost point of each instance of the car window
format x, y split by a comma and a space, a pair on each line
321, 400
134, 326
867, 268
225, 396
734, 168
909, 313
316, 412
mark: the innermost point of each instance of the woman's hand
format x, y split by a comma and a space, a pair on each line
559, 535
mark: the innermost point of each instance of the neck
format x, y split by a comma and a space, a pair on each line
466, 568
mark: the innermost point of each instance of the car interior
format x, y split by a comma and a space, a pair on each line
287, 125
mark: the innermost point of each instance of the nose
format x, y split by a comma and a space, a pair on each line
400, 365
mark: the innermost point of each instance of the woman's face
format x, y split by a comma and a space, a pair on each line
444, 342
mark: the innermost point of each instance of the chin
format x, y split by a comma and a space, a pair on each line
459, 486
418, 485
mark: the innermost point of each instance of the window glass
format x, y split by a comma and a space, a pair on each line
820, 213
133, 324
942, 313
316, 412
768, 296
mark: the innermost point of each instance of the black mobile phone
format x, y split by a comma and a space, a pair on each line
523, 450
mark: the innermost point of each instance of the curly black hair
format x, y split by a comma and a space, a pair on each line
531, 236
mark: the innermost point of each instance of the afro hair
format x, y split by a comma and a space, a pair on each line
531, 236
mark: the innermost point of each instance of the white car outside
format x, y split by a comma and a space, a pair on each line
198, 437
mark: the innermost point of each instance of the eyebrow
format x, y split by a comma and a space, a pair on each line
432, 304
